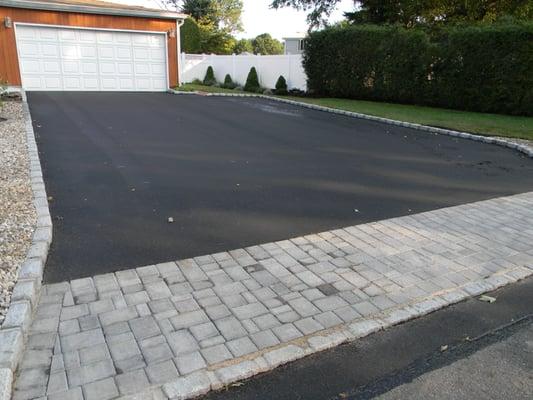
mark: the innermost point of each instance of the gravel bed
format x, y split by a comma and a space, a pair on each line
17, 213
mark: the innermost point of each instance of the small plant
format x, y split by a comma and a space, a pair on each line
281, 86
228, 82
252, 82
197, 82
209, 79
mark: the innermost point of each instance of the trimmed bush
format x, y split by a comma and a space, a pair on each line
486, 68
252, 82
209, 79
228, 82
190, 37
281, 86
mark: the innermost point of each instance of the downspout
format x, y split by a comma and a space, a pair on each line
179, 23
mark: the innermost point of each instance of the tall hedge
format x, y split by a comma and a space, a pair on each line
190, 36
487, 68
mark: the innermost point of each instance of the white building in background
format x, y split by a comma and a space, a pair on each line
295, 44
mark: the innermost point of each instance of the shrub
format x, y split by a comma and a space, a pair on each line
190, 36
209, 79
228, 82
486, 68
252, 82
281, 86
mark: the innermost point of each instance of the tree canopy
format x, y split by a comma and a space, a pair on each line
266, 44
414, 12
223, 14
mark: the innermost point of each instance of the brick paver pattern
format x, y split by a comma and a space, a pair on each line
127, 332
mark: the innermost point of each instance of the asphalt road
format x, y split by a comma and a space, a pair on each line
233, 172
501, 371
489, 356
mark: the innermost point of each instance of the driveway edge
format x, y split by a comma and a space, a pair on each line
201, 382
26, 292
509, 143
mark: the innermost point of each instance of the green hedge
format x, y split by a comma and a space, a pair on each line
486, 68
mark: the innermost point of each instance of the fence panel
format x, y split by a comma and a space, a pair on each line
269, 68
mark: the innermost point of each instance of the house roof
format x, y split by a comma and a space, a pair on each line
93, 7
298, 35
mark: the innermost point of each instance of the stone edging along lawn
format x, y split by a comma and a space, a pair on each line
510, 143
27, 289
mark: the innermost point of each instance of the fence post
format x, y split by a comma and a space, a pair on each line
289, 83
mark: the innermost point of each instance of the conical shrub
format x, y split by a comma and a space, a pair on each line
252, 82
281, 86
209, 79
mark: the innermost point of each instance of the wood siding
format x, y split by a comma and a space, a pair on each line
9, 67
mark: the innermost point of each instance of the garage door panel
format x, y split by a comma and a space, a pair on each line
124, 53
50, 50
90, 83
51, 67
106, 52
72, 83
68, 35
87, 36
30, 66
52, 82
71, 67
54, 58
88, 67
88, 51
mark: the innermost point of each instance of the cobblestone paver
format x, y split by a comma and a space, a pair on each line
181, 328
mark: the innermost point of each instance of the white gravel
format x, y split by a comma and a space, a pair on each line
17, 213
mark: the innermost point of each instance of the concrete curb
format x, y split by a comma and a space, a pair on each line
509, 143
200, 382
26, 292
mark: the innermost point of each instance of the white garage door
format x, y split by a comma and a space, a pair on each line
53, 58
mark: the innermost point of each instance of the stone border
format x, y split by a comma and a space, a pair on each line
527, 150
201, 382
26, 292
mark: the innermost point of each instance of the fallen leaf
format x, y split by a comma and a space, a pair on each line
488, 299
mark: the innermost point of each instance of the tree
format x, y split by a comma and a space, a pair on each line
243, 46
414, 12
213, 40
224, 14
266, 44
190, 37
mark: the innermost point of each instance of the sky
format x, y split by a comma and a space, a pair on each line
258, 18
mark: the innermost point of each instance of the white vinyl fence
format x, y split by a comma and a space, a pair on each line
269, 68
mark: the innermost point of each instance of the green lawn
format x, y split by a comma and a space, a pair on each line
486, 124
191, 87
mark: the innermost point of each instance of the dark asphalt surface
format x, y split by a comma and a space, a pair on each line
380, 362
234, 172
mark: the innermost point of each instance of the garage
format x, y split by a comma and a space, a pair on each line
88, 45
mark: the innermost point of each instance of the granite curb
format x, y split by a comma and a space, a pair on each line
27, 289
509, 143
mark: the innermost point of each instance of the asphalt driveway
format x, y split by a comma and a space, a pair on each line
234, 172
